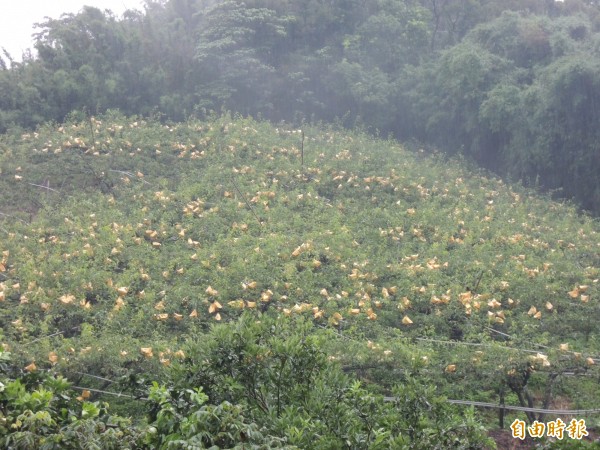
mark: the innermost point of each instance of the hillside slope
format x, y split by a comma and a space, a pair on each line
120, 235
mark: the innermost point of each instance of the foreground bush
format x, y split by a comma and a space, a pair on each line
270, 385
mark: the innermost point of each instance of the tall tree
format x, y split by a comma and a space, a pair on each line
236, 50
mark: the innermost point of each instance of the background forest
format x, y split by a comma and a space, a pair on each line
512, 85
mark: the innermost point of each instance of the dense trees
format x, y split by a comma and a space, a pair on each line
525, 103
511, 84
246, 384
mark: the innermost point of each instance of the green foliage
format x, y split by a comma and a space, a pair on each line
436, 71
272, 405
496, 98
431, 423
368, 260
184, 420
42, 412
236, 42
339, 268
277, 373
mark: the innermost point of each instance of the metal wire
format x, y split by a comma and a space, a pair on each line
562, 412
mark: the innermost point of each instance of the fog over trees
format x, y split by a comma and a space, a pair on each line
512, 85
